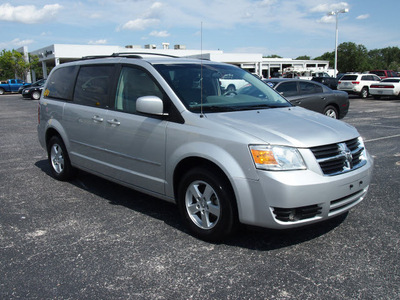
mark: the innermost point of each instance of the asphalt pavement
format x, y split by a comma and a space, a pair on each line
92, 239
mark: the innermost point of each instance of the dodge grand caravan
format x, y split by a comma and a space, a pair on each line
166, 127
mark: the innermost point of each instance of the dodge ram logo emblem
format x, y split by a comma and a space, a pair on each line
345, 151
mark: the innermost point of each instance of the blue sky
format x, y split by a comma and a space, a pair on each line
289, 28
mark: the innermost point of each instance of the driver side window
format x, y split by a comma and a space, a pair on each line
132, 84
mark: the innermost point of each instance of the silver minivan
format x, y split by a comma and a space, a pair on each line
168, 128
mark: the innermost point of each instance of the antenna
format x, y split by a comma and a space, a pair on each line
201, 70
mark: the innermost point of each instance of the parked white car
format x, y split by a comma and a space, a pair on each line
387, 87
358, 84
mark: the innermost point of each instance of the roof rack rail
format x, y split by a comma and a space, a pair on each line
128, 55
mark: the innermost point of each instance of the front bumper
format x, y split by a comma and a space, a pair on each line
292, 199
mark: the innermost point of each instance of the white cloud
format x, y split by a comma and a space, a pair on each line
162, 33
98, 42
16, 43
140, 24
363, 17
28, 14
325, 8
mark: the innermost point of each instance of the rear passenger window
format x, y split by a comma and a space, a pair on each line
132, 84
309, 88
287, 88
93, 85
61, 83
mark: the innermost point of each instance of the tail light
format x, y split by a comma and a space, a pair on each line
355, 82
382, 86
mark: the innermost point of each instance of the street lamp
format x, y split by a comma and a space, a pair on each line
336, 14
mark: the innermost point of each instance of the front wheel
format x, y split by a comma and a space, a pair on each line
35, 95
331, 112
207, 204
59, 160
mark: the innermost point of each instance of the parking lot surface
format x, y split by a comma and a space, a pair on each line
92, 239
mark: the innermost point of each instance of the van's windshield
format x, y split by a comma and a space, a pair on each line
215, 88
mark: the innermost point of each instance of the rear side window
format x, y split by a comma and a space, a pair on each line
309, 88
61, 83
349, 77
287, 88
93, 85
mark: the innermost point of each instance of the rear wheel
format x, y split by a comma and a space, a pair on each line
331, 111
59, 160
364, 93
207, 204
1, 91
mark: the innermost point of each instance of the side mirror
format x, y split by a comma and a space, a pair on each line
151, 105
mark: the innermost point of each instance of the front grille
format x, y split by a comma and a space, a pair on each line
339, 158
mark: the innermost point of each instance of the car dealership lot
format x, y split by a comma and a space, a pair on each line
90, 238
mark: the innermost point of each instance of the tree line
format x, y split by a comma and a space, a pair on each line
351, 58
357, 58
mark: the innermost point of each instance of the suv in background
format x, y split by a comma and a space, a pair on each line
357, 83
166, 127
384, 73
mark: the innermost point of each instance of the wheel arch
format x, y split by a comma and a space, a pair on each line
193, 162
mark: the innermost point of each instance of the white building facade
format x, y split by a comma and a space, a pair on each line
55, 54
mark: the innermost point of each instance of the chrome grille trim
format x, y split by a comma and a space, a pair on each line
335, 159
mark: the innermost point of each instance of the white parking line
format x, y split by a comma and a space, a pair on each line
382, 138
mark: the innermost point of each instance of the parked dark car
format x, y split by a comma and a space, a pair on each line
312, 95
34, 91
330, 82
26, 85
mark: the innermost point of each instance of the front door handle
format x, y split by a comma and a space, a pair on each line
97, 119
114, 122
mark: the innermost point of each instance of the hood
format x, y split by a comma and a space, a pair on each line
289, 126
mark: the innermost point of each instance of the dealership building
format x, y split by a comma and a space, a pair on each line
55, 54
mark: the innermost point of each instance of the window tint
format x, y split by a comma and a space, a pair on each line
132, 84
93, 85
349, 77
287, 88
61, 82
309, 88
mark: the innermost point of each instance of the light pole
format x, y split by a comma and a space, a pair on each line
336, 14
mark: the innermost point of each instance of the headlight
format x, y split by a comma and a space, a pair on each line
276, 158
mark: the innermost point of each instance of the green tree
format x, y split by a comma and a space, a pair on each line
352, 58
13, 65
304, 57
329, 56
386, 58
273, 56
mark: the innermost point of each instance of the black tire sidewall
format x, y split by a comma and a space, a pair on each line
68, 171
330, 107
228, 218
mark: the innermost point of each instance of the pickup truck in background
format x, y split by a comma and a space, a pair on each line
11, 85
229, 83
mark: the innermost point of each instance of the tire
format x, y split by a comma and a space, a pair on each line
364, 93
207, 204
1, 91
331, 111
58, 158
35, 95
